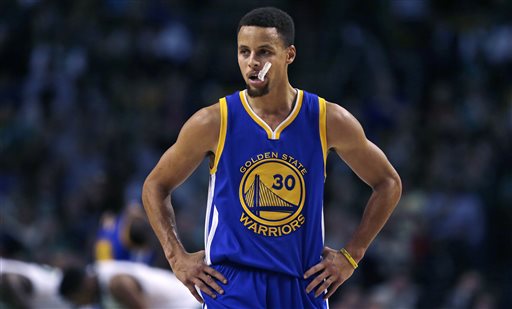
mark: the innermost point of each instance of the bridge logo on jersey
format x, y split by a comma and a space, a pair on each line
272, 194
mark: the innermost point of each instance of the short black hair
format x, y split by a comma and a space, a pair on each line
271, 17
72, 281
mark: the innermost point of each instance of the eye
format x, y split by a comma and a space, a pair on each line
265, 52
244, 52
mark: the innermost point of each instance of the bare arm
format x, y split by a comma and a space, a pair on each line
127, 291
198, 138
16, 290
372, 166
346, 136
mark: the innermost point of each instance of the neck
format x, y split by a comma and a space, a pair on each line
278, 100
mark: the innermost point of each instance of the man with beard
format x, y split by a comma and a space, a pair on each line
267, 145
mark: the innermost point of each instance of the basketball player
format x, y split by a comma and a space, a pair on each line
29, 285
125, 236
123, 284
267, 147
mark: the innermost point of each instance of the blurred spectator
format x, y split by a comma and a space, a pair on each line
398, 292
470, 292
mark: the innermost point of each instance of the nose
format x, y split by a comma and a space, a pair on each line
254, 62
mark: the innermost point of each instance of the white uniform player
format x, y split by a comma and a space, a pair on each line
44, 281
160, 287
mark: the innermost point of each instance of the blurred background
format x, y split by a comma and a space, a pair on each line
92, 92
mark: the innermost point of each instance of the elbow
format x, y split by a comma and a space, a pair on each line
146, 193
147, 187
392, 187
395, 187
152, 187
398, 187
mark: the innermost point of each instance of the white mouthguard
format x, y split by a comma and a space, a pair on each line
263, 72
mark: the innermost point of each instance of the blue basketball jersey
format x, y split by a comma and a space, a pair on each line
109, 246
265, 201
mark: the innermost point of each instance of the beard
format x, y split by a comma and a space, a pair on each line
257, 92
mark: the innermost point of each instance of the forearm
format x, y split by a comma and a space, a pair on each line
381, 204
127, 291
157, 203
129, 302
14, 291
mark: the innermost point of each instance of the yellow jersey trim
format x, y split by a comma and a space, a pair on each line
273, 135
323, 130
222, 133
291, 117
254, 116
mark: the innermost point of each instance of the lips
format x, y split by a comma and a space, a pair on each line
253, 75
254, 80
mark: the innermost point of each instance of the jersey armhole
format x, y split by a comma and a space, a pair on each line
222, 134
323, 130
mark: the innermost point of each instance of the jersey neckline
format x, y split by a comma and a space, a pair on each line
272, 134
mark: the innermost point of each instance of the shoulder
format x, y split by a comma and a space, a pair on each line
206, 117
121, 284
343, 129
338, 114
202, 128
18, 282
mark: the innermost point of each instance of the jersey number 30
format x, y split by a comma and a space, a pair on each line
289, 182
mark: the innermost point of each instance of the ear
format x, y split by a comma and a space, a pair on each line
291, 52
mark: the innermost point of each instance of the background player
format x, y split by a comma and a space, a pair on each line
125, 236
114, 284
29, 285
